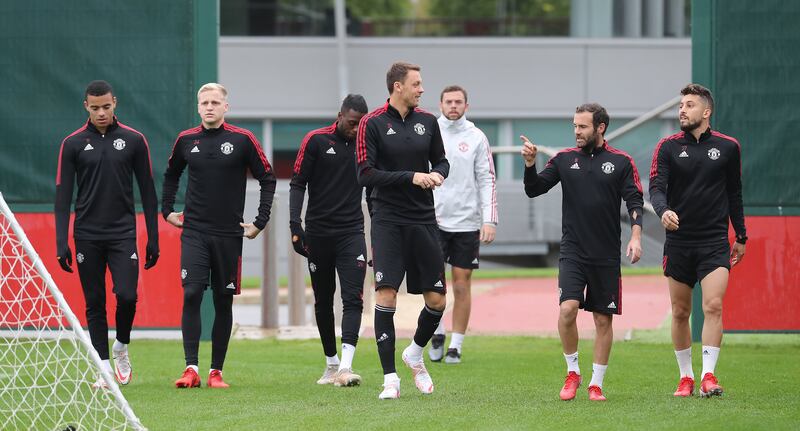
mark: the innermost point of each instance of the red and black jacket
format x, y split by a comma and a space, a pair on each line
701, 180
593, 185
390, 149
218, 161
104, 166
326, 162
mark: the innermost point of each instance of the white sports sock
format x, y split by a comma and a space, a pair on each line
439, 329
348, 351
598, 372
572, 362
684, 358
332, 360
194, 367
211, 370
710, 356
455, 341
107, 365
119, 347
391, 377
414, 351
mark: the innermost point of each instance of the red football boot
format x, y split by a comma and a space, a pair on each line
596, 393
189, 379
215, 380
685, 387
709, 386
571, 385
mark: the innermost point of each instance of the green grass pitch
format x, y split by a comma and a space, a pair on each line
503, 383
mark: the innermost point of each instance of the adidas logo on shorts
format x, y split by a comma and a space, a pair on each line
612, 305
133, 256
383, 337
438, 284
230, 286
360, 258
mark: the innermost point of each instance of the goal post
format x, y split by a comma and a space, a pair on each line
47, 362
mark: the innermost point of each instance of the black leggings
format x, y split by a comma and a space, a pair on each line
191, 324
346, 255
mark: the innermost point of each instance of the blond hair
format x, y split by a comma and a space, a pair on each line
213, 86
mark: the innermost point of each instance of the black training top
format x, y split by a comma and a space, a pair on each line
104, 165
218, 161
593, 186
326, 162
701, 180
390, 149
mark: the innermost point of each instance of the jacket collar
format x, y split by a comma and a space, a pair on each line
212, 131
111, 127
459, 124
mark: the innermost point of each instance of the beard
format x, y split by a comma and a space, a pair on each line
690, 125
590, 143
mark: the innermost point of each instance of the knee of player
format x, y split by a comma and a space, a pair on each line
461, 289
386, 296
126, 298
437, 302
681, 312
712, 306
193, 293
352, 304
602, 322
568, 310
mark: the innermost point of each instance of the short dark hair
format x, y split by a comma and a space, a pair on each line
701, 91
98, 88
397, 73
355, 102
599, 114
451, 89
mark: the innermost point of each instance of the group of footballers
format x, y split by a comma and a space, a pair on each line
431, 194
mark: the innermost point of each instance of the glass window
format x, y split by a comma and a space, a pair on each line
276, 18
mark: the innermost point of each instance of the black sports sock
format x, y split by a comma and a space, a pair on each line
384, 335
426, 325
190, 320
221, 331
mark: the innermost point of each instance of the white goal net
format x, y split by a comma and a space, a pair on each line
47, 363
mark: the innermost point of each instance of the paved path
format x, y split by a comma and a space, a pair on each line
530, 307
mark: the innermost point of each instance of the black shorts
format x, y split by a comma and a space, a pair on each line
461, 249
121, 258
603, 286
410, 251
689, 264
212, 260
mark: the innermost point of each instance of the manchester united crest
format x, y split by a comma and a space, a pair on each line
419, 128
226, 148
713, 154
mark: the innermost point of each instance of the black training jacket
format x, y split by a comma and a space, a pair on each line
218, 161
390, 149
593, 186
701, 180
327, 163
104, 166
